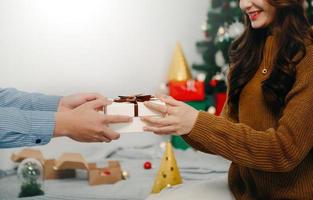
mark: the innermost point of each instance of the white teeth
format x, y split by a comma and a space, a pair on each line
254, 12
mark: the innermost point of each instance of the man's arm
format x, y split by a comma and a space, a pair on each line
10, 97
25, 128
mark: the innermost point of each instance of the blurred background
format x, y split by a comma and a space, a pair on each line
120, 47
114, 47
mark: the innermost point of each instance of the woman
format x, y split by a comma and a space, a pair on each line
266, 128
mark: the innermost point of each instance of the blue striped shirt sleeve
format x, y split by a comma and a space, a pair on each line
25, 128
10, 97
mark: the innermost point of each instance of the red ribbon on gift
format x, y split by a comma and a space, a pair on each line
134, 99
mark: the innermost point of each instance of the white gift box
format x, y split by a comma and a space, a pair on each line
126, 108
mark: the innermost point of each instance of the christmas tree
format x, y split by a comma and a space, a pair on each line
222, 26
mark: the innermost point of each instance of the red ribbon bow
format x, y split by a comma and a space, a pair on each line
134, 99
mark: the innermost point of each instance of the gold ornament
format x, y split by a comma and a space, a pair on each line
179, 70
212, 110
168, 174
125, 175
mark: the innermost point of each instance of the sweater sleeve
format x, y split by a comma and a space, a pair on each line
25, 128
274, 150
10, 97
225, 114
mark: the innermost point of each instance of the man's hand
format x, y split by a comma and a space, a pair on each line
72, 101
85, 124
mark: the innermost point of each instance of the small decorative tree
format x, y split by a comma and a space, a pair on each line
30, 173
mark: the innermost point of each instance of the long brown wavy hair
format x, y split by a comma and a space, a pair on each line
291, 30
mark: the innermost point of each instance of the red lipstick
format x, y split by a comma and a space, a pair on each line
254, 15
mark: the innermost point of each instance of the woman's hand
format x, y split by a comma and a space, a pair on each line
179, 118
85, 124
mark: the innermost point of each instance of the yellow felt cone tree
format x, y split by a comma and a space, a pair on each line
168, 174
179, 69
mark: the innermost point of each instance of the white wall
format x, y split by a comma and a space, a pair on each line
114, 47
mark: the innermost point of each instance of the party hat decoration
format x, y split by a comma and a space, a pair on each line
168, 174
179, 70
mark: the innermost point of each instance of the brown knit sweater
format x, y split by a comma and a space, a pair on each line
271, 157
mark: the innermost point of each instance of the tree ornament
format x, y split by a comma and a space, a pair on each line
201, 77
212, 110
30, 173
235, 29
213, 83
219, 58
163, 146
168, 174
233, 4
222, 33
125, 175
218, 77
147, 165
204, 26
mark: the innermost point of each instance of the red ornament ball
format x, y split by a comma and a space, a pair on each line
147, 165
213, 82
